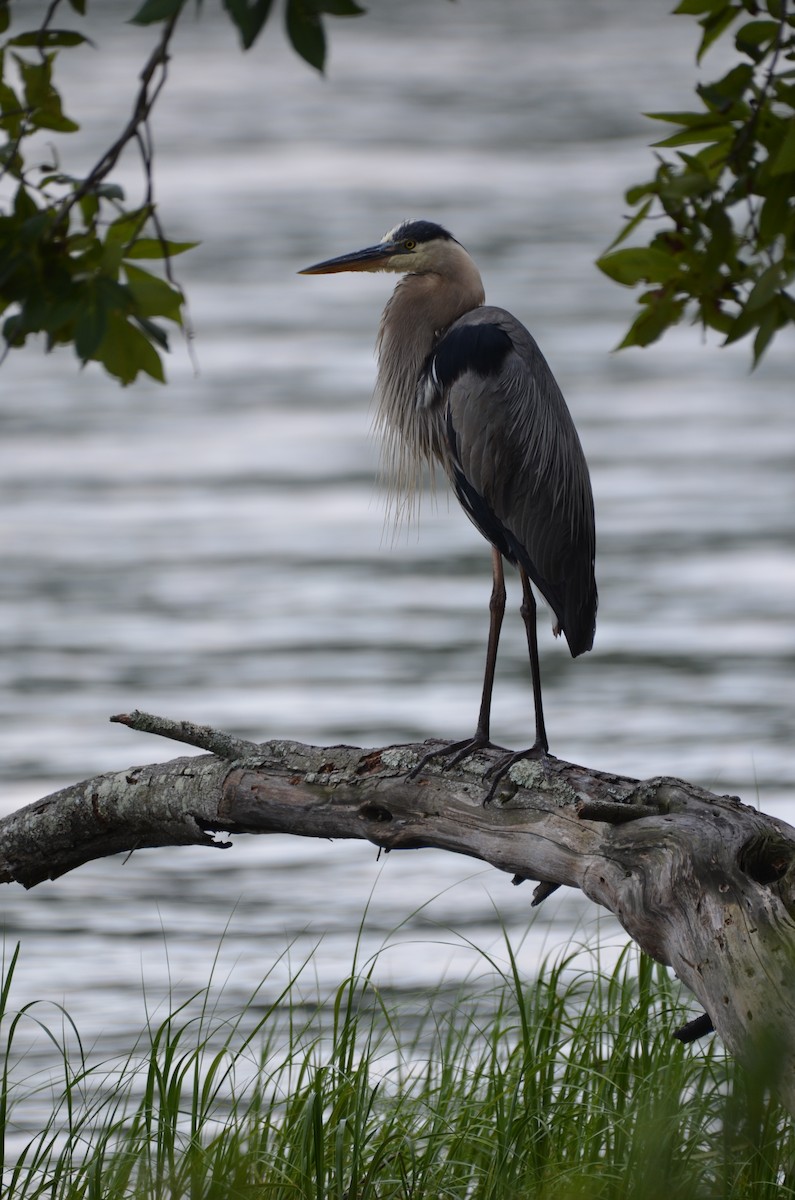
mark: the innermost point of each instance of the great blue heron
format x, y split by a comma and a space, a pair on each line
465, 385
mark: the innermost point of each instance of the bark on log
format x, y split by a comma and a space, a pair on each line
703, 883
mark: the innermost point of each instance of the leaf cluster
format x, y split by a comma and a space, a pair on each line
723, 205
71, 247
303, 20
70, 250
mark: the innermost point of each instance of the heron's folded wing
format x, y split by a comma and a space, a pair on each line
516, 462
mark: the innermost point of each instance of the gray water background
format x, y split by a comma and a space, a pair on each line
216, 550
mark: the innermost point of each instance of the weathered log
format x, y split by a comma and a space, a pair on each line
703, 883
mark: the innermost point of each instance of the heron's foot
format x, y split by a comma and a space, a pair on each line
538, 753
454, 752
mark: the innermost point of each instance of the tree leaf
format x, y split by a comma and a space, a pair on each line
751, 38
784, 160
46, 39
109, 191
683, 185
53, 118
90, 329
339, 8
24, 204
97, 301
721, 242
35, 80
714, 132
153, 331
249, 16
742, 324
14, 331
41, 97
634, 195
89, 207
125, 351
696, 7
631, 224
775, 211
156, 10
121, 234
153, 297
652, 322
785, 91
126, 227
638, 264
689, 120
11, 111
771, 320
305, 31
765, 287
716, 24
723, 94
154, 248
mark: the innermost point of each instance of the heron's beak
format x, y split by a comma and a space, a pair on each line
373, 258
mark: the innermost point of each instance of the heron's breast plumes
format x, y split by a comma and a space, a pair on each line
409, 421
411, 434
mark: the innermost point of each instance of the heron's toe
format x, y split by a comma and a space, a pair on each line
454, 753
537, 753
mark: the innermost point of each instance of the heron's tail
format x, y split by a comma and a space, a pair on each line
574, 605
579, 621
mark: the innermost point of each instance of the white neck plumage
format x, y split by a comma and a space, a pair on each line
421, 308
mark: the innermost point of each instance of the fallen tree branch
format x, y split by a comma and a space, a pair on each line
703, 883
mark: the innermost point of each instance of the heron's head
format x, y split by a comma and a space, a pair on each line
414, 247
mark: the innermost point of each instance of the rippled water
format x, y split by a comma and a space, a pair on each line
216, 550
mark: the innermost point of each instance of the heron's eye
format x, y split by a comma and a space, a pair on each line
409, 244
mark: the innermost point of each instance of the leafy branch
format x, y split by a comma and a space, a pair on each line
70, 248
723, 247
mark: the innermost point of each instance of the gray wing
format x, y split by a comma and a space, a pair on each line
515, 460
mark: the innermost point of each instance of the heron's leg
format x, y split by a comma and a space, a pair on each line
481, 740
540, 747
528, 611
496, 614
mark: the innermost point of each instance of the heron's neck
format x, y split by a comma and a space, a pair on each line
420, 309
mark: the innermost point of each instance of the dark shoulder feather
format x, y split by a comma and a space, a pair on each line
481, 349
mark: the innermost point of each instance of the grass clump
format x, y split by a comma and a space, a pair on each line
568, 1087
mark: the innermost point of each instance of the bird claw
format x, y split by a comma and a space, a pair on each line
457, 752
538, 752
